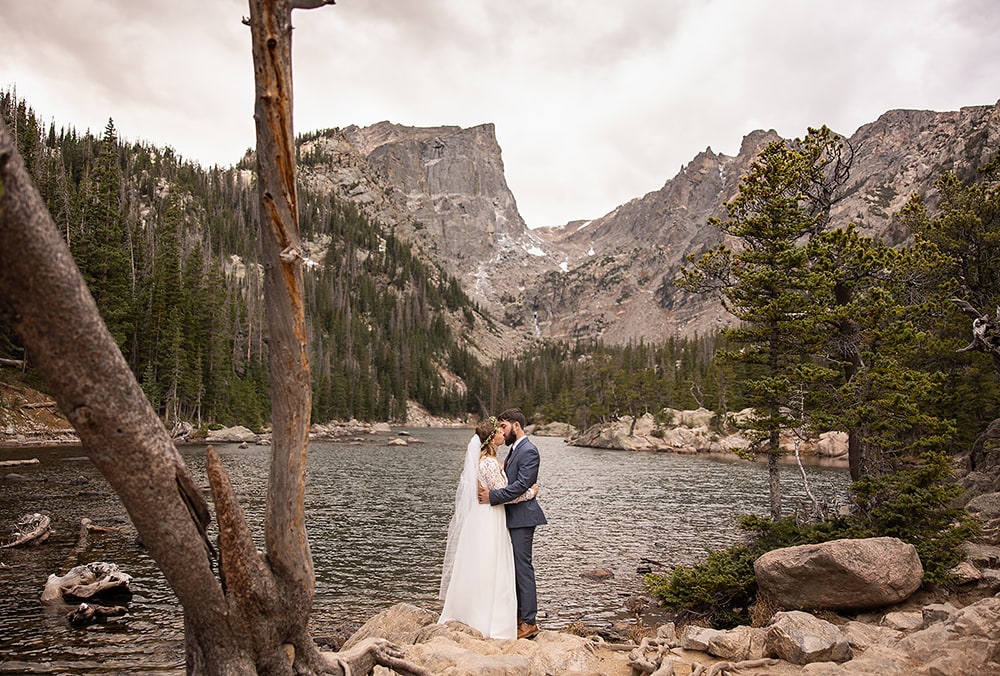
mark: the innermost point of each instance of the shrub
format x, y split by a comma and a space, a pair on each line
720, 589
913, 504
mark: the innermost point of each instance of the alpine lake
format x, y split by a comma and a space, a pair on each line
377, 516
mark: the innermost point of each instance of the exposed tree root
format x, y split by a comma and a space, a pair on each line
366, 655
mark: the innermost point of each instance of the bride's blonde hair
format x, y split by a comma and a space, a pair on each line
485, 431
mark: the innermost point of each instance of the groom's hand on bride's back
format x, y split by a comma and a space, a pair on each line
484, 494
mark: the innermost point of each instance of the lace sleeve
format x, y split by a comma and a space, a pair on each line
493, 477
490, 473
523, 497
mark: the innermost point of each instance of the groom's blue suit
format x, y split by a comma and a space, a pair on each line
521, 467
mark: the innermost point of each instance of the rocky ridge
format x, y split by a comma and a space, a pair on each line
612, 277
28, 417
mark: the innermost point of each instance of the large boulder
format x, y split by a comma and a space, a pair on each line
699, 417
847, 575
738, 644
801, 638
698, 638
553, 429
399, 624
985, 506
234, 435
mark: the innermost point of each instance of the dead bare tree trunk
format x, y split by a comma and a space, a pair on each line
286, 540
985, 332
44, 298
256, 619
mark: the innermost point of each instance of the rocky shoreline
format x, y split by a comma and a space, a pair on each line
925, 635
939, 631
844, 608
695, 431
30, 418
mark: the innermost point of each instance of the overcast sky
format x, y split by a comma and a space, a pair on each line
595, 102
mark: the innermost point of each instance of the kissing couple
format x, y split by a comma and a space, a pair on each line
488, 579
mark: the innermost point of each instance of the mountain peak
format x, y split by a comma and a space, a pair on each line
612, 277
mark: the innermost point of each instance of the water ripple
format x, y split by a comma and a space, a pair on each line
378, 518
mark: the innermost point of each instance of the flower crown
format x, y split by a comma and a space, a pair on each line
496, 425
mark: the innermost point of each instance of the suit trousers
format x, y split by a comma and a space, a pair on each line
524, 574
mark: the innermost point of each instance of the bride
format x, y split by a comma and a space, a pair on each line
477, 582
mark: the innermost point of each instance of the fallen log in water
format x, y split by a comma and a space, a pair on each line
12, 463
86, 527
31, 529
40, 404
92, 613
97, 580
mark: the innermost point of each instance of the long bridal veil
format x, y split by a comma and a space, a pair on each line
466, 498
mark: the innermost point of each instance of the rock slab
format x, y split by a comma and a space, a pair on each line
843, 575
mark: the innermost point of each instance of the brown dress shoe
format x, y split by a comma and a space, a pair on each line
525, 630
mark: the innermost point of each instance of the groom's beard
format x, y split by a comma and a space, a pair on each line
510, 438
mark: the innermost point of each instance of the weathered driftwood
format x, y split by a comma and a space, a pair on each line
86, 528
93, 613
649, 656
653, 657
98, 580
985, 331
720, 668
14, 463
40, 404
31, 529
363, 657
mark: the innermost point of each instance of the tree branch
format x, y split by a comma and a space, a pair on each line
985, 332
310, 4
244, 573
44, 298
366, 655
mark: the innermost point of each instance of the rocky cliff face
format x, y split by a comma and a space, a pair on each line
637, 250
450, 180
612, 277
442, 188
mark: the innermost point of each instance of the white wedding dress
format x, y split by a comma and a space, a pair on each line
477, 583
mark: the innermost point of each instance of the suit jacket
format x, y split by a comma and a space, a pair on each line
521, 467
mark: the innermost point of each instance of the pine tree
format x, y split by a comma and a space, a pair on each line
965, 227
770, 284
104, 248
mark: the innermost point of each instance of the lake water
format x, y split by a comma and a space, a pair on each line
378, 517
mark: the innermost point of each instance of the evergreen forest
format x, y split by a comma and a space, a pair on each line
169, 250
833, 330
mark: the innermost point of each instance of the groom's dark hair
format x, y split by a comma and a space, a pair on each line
514, 415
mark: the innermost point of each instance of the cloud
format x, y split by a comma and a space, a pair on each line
594, 102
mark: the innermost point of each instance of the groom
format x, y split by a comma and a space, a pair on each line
521, 467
